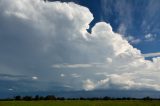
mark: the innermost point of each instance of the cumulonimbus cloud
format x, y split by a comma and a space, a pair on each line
38, 38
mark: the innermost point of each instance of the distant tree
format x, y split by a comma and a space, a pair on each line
27, 98
94, 98
147, 98
41, 98
107, 98
50, 97
124, 98
129, 98
37, 97
17, 97
61, 98
81, 98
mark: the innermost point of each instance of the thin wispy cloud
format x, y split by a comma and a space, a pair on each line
72, 65
150, 37
152, 54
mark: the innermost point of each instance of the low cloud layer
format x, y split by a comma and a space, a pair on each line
48, 42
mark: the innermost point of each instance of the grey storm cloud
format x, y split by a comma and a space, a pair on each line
48, 43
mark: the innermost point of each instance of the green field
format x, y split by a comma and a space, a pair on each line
80, 103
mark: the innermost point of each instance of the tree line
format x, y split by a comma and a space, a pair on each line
52, 97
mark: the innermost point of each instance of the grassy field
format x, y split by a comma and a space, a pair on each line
80, 103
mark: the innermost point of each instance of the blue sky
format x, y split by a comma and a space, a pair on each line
83, 45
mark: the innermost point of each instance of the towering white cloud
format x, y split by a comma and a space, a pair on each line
46, 39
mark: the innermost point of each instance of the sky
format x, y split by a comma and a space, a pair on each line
79, 45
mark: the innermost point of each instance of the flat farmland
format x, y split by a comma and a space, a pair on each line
82, 103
